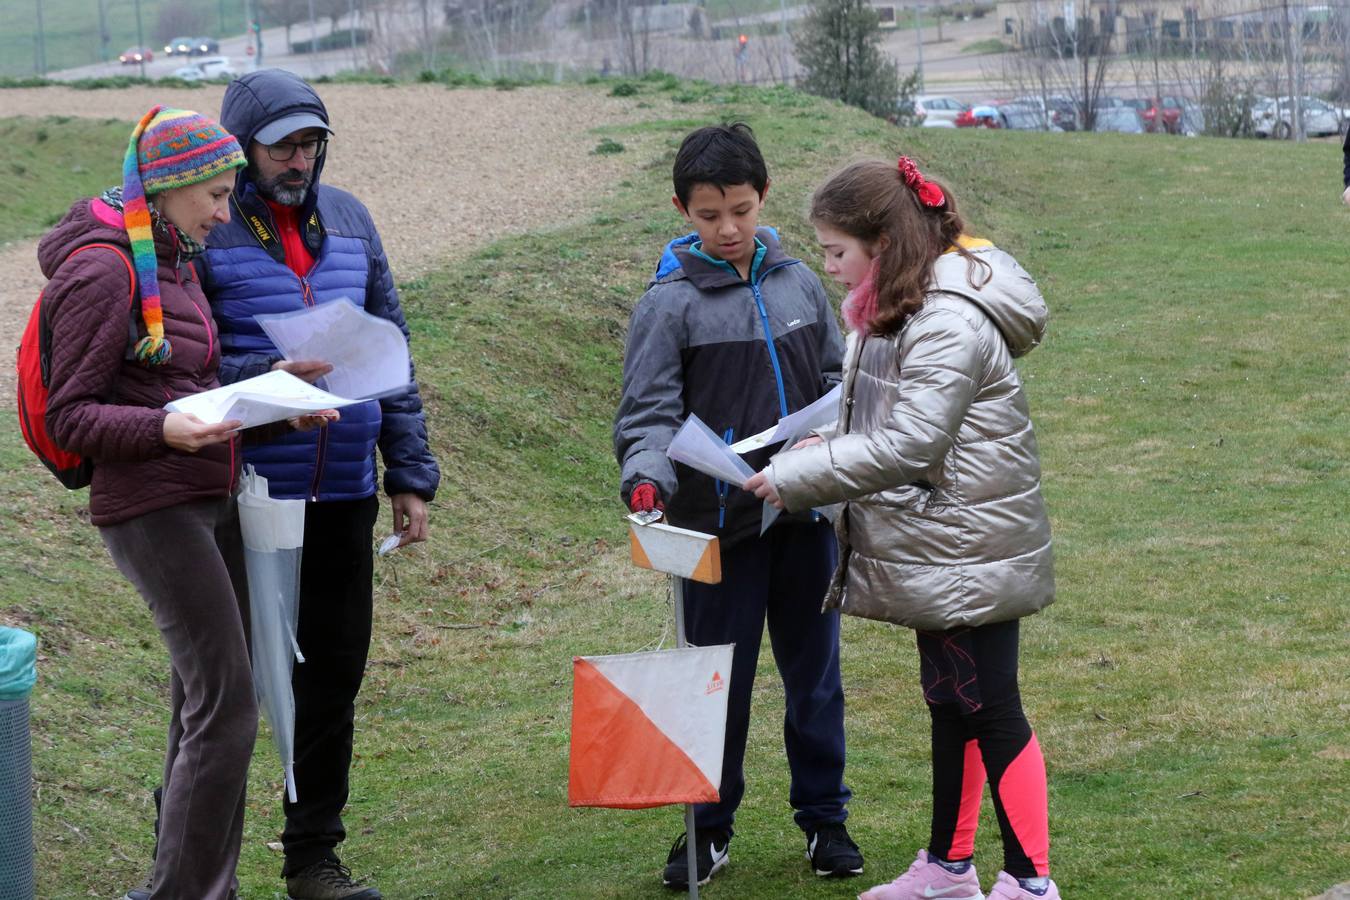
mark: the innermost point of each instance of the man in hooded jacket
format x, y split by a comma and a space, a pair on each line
294, 243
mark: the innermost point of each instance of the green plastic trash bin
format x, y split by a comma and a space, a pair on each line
18, 672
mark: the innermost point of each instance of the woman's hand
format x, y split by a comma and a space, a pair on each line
760, 485
186, 432
807, 442
314, 420
310, 370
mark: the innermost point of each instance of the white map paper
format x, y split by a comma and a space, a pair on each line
795, 426
696, 446
259, 401
369, 355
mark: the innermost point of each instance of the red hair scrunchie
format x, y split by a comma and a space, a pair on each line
929, 194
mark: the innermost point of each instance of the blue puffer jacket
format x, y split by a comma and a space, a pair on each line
244, 274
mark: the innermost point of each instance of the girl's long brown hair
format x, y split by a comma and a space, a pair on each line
869, 201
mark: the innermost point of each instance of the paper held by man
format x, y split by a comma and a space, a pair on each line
369, 356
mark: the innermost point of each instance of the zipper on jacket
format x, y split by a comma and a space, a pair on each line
306, 292
318, 463
722, 487
768, 339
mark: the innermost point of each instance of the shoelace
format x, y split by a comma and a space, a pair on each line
332, 874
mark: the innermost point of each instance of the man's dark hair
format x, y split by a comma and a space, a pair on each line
721, 155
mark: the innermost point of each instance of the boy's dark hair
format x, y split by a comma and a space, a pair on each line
720, 155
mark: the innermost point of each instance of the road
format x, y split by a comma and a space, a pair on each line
275, 52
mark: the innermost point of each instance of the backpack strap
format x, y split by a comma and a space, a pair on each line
133, 304
44, 326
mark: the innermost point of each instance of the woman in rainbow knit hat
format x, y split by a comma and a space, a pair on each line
131, 331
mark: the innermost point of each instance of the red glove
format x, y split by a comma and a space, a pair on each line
645, 498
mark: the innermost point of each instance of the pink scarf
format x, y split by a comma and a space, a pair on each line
860, 306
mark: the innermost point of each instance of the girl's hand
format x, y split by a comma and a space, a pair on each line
186, 432
314, 420
807, 442
760, 485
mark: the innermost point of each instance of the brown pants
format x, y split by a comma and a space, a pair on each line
187, 562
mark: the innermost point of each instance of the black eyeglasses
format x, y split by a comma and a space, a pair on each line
282, 151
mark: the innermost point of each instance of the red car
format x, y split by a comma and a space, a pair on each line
981, 115
134, 55
1171, 113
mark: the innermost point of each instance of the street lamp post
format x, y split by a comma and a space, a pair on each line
140, 38
918, 34
40, 49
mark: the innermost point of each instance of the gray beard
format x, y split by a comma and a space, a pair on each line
286, 195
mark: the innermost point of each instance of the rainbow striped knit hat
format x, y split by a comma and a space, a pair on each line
169, 148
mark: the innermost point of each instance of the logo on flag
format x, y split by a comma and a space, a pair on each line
648, 728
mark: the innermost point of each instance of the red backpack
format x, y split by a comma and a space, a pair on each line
34, 367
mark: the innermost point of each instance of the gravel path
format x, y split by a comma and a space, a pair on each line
442, 171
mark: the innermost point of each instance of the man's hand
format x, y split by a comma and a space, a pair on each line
310, 370
314, 420
760, 485
410, 518
186, 432
807, 442
645, 498
1345, 196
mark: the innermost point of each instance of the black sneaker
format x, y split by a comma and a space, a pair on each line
139, 893
832, 852
327, 879
711, 855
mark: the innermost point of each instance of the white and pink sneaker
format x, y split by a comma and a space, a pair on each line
929, 881
1009, 888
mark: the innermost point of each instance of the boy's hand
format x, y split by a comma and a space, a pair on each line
645, 498
808, 442
760, 485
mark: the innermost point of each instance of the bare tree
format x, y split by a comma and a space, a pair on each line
635, 43
282, 12
1064, 58
177, 18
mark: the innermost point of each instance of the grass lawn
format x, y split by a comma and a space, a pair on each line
47, 164
1188, 687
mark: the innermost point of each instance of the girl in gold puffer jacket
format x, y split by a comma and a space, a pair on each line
942, 528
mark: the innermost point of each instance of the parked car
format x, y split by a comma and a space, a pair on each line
1025, 117
1192, 122
1120, 119
1061, 110
204, 45
938, 112
179, 46
1171, 114
135, 55
1274, 117
981, 115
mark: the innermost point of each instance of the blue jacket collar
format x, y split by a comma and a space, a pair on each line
686, 253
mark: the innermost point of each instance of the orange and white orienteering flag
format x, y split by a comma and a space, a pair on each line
648, 728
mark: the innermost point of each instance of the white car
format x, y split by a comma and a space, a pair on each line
206, 69
1274, 117
938, 112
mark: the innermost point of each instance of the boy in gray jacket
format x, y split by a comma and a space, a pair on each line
733, 330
